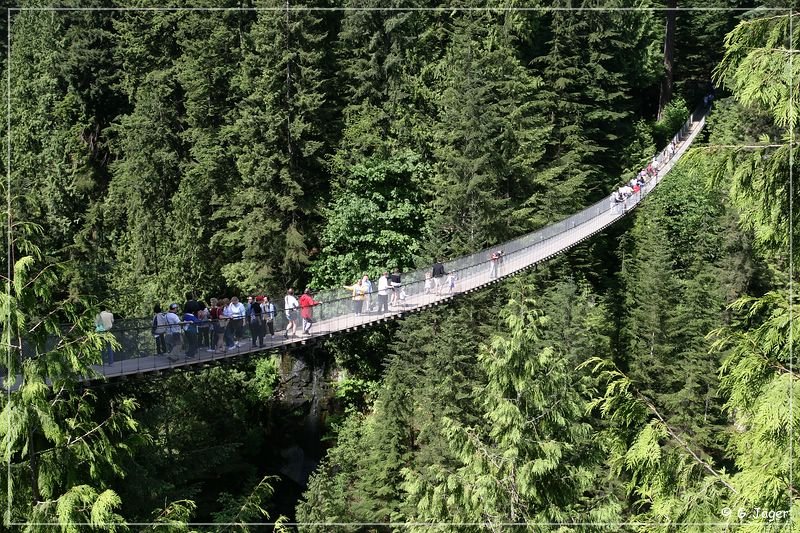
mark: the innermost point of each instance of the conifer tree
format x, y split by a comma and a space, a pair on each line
587, 80
147, 172
210, 49
668, 470
488, 139
523, 465
61, 446
380, 167
430, 373
269, 218
62, 99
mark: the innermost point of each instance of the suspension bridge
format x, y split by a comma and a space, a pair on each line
136, 354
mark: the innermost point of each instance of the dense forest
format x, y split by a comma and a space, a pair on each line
642, 381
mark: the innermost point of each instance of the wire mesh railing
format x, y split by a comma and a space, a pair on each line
142, 345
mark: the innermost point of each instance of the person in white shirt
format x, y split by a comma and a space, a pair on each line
368, 294
236, 312
383, 293
174, 339
103, 322
290, 306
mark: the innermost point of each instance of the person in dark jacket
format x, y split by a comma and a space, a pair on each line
438, 274
256, 320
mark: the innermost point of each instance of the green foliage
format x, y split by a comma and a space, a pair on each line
174, 517
237, 150
238, 512
756, 69
679, 274
672, 118
374, 222
760, 384
202, 434
77, 508
265, 378
269, 214
61, 445
698, 42
355, 391
524, 464
488, 139
429, 374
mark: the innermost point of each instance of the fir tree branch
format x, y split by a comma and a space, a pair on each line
71, 442
683, 443
756, 348
762, 19
37, 276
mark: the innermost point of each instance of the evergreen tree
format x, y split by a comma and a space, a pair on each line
586, 100
488, 139
269, 219
147, 172
61, 446
667, 468
523, 465
210, 47
62, 99
430, 373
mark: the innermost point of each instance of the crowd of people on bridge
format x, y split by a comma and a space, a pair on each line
220, 325
633, 188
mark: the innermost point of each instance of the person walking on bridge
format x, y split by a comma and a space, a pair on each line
192, 305
359, 294
368, 294
173, 331
190, 332
383, 293
236, 312
255, 318
307, 304
395, 283
104, 322
438, 274
159, 329
268, 314
217, 330
290, 305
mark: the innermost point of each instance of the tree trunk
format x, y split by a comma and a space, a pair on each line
669, 48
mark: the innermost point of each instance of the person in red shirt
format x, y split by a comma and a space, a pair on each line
307, 304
